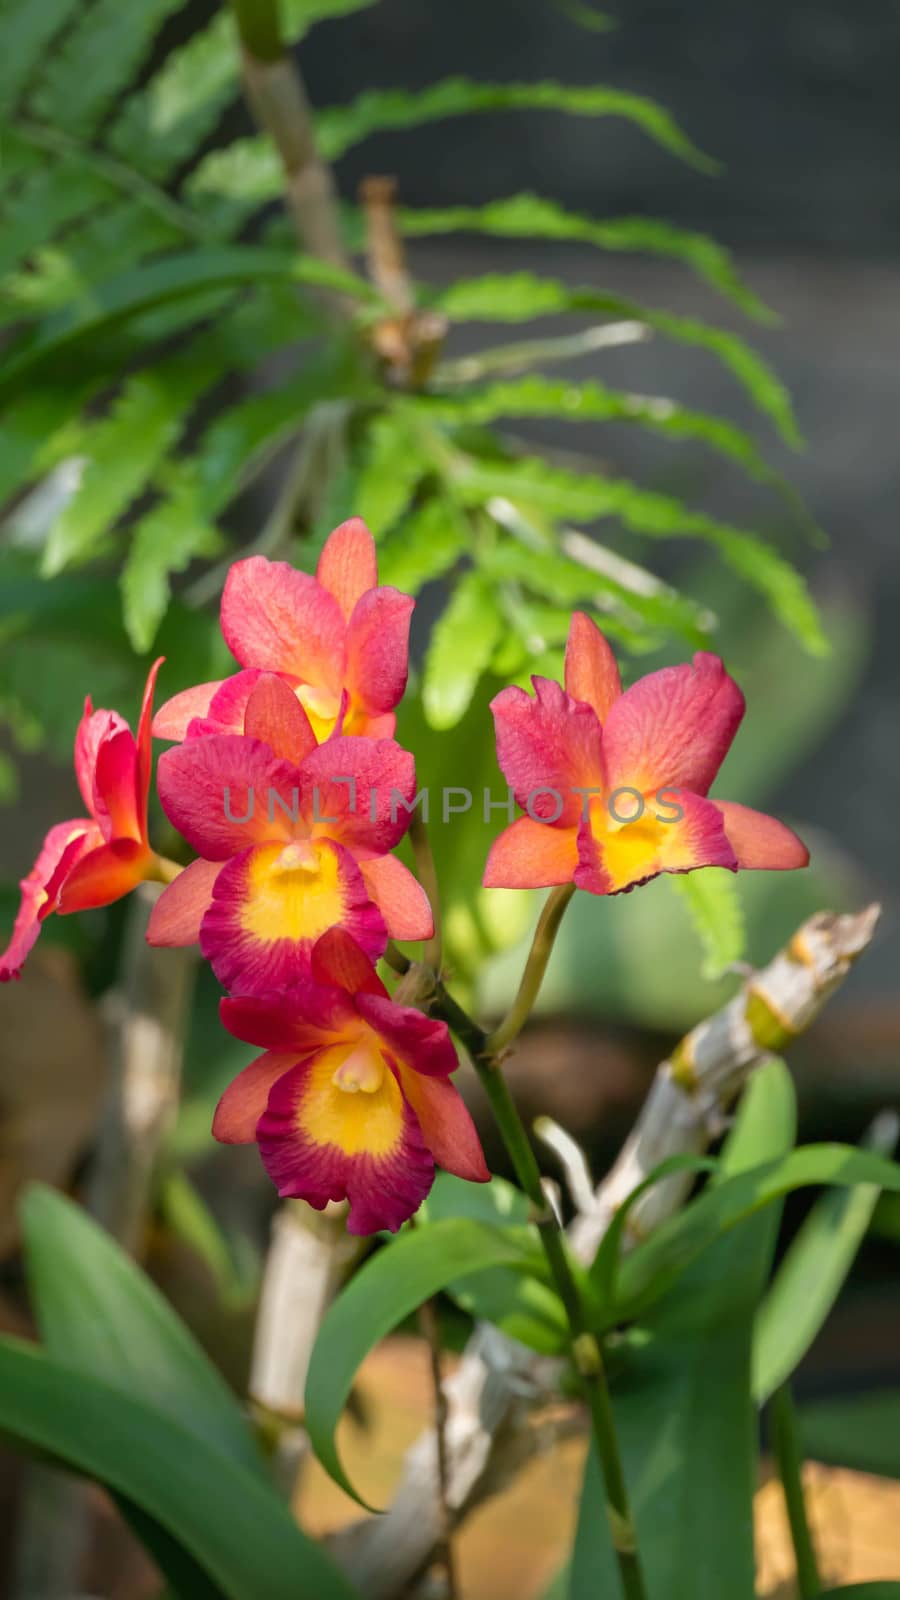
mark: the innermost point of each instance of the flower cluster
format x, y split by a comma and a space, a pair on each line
295, 892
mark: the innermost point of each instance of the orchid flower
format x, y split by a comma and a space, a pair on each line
293, 838
94, 860
352, 1098
616, 785
325, 635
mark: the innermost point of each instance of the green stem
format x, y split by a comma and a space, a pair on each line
586, 1352
535, 967
259, 28
789, 1456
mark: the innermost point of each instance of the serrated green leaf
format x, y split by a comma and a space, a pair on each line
186, 275
390, 471
462, 643
121, 452
43, 203
556, 492
812, 1273
592, 401
91, 65
166, 540
713, 900
388, 1287
339, 128
529, 216
236, 1527
27, 32
424, 546
163, 123
522, 296
607, 583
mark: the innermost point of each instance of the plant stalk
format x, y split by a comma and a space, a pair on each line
535, 967
789, 1458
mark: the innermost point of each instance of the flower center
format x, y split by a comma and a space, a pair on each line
362, 1071
321, 706
301, 856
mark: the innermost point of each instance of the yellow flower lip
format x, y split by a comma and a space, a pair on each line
360, 1072
319, 702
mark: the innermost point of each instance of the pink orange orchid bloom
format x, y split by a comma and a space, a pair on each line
616, 785
352, 1098
293, 838
94, 860
337, 632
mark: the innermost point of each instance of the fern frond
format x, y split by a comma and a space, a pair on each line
339, 128
592, 401
162, 124
462, 643
94, 62
522, 296
555, 492
529, 216
42, 204
122, 451
27, 32
713, 901
391, 468
166, 540
424, 546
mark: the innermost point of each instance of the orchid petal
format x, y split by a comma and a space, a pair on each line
245, 1099
105, 875
399, 897
547, 748
176, 917
348, 566
378, 650
173, 718
338, 960
369, 815
226, 792
416, 1041
62, 848
447, 1127
592, 674
275, 715
760, 841
621, 857
673, 727
531, 855
282, 620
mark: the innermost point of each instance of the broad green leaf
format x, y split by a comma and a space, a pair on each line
391, 468
235, 1526
387, 1288
660, 1260
340, 127
682, 1401
606, 1261
522, 1306
89, 67
424, 546
812, 1274
713, 900
530, 216
522, 296
859, 1431
180, 276
557, 492
101, 1315
461, 647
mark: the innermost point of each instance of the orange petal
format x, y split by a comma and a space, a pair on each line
399, 897
761, 841
175, 919
532, 855
348, 566
338, 960
275, 715
244, 1101
673, 727
105, 875
592, 674
447, 1127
